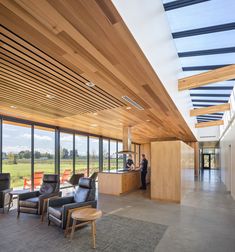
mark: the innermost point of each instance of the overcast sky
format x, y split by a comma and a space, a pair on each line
16, 139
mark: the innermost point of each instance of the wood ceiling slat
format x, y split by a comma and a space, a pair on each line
75, 94
73, 40
27, 81
33, 59
24, 92
53, 85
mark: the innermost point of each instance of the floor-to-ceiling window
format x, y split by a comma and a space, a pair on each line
93, 155
81, 154
113, 155
66, 157
16, 153
44, 150
105, 154
120, 156
137, 150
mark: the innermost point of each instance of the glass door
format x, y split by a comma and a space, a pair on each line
206, 161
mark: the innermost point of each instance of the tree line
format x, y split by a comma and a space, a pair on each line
64, 154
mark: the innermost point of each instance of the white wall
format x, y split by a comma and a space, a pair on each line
148, 23
228, 159
227, 145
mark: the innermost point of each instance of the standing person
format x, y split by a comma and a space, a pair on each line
129, 163
143, 169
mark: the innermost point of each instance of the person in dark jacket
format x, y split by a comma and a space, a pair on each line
143, 169
129, 163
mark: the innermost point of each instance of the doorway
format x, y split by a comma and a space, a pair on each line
206, 161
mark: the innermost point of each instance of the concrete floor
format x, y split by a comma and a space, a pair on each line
205, 221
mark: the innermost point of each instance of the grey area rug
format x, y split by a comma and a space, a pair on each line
114, 233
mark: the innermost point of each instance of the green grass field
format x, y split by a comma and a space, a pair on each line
22, 169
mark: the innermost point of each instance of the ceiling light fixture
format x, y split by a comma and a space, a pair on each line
132, 102
95, 114
94, 125
147, 120
50, 96
90, 84
14, 107
128, 108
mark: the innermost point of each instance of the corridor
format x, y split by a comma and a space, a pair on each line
205, 221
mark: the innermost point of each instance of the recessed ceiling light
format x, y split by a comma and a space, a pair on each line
14, 107
120, 123
147, 120
90, 84
94, 125
128, 108
50, 96
95, 114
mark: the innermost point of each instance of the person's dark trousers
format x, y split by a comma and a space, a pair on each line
143, 180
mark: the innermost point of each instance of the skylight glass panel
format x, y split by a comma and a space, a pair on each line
206, 14
206, 41
207, 60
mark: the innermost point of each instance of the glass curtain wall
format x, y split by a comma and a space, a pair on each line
137, 150
66, 157
105, 154
44, 150
113, 155
81, 155
120, 157
16, 153
93, 155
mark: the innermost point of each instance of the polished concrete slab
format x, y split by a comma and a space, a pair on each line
205, 221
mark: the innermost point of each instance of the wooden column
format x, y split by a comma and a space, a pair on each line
195, 146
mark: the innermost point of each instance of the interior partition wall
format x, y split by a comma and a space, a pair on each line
28, 150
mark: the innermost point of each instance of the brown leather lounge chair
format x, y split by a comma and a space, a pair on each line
36, 202
5, 181
60, 210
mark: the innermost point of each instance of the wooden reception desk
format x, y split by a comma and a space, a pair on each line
117, 183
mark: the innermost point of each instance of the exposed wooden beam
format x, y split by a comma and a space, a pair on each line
220, 74
210, 110
209, 124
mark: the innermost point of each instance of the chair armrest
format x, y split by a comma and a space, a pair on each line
60, 201
6, 191
49, 195
28, 195
68, 209
80, 204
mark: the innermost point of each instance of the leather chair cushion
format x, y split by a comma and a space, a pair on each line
55, 220
85, 183
4, 181
51, 178
56, 212
28, 210
47, 188
81, 195
30, 203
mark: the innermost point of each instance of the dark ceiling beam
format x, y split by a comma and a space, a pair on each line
180, 4
207, 52
210, 101
204, 30
208, 120
208, 116
202, 68
213, 88
210, 95
201, 105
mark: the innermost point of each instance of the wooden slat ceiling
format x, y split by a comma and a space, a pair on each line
50, 49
